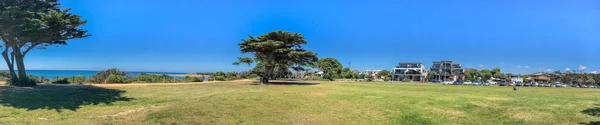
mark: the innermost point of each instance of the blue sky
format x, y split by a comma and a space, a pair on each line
519, 36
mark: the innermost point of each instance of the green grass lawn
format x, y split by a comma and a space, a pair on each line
326, 103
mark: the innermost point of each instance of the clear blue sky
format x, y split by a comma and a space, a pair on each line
519, 36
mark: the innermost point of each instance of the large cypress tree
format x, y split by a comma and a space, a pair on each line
275, 52
34, 24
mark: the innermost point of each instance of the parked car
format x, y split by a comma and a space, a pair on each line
448, 82
553, 85
547, 85
519, 83
492, 82
563, 85
435, 81
540, 85
468, 82
485, 83
476, 82
591, 86
527, 84
457, 82
582, 86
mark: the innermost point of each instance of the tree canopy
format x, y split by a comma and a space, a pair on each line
277, 49
331, 67
34, 24
385, 74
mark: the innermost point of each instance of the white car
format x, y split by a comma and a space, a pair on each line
448, 82
492, 82
468, 83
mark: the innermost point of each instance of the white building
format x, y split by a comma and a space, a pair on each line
413, 71
372, 73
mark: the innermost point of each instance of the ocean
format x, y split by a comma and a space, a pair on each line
50, 74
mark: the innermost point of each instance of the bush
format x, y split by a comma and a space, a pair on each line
370, 78
20, 82
220, 78
78, 79
60, 80
38, 79
253, 76
101, 76
194, 79
405, 80
153, 78
116, 79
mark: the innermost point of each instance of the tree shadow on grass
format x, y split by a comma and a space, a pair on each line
594, 111
58, 97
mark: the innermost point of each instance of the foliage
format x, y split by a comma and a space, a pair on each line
4, 74
347, 74
330, 67
361, 76
405, 80
78, 79
232, 75
101, 76
431, 75
38, 79
486, 74
114, 78
369, 78
61, 80
253, 76
220, 73
495, 71
154, 78
34, 24
13, 82
219, 78
383, 73
194, 79
499, 76
472, 74
276, 49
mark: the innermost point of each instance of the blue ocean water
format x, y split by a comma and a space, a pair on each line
87, 73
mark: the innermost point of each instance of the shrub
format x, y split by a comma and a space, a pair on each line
194, 79
116, 79
101, 76
38, 79
78, 79
20, 82
4, 74
370, 78
405, 80
143, 78
153, 78
253, 76
219, 78
61, 80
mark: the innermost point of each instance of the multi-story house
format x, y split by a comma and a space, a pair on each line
413, 71
447, 70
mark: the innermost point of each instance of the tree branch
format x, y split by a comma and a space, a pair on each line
30, 48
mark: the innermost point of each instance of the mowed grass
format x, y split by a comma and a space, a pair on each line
326, 103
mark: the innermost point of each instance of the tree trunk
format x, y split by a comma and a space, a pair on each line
266, 75
22, 73
10, 65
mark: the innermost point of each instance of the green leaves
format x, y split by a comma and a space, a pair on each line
330, 66
278, 50
246, 60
